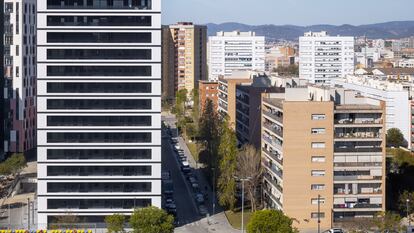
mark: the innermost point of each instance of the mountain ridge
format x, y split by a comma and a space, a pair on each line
385, 30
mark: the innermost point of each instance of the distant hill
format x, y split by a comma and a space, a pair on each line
388, 30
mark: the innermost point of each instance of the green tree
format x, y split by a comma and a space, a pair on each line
395, 138
227, 152
208, 134
287, 70
115, 223
388, 222
270, 221
13, 165
151, 220
402, 202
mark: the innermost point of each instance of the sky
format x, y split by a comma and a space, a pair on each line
281, 12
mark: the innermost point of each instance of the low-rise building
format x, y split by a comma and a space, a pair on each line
207, 90
323, 153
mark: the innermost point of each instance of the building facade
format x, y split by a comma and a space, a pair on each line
396, 97
235, 51
207, 90
99, 111
323, 160
324, 57
20, 75
188, 42
2, 111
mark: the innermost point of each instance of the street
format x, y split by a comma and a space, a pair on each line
189, 219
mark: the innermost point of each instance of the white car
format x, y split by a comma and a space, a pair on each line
335, 230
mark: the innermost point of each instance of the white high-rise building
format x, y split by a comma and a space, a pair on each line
235, 51
99, 108
323, 57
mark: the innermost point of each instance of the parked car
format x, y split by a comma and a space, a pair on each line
199, 198
166, 175
168, 188
202, 210
335, 230
182, 158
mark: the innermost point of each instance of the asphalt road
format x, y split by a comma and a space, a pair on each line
186, 209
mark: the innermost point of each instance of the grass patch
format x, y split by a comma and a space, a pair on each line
234, 218
193, 149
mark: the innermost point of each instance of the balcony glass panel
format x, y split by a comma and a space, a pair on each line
98, 154
65, 204
99, 37
99, 170
99, 104
98, 137
99, 120
99, 54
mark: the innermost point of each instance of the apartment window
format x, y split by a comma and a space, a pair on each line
316, 214
99, 71
99, 37
99, 54
318, 117
314, 201
142, 187
318, 145
99, 137
317, 187
99, 170
118, 87
99, 154
318, 131
318, 159
65, 204
99, 21
99, 104
99, 120
318, 173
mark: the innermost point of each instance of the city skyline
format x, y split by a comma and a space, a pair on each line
324, 12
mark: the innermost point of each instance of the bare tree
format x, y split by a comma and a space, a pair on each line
248, 165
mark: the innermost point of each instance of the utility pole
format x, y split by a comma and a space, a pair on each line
319, 213
408, 213
28, 214
242, 214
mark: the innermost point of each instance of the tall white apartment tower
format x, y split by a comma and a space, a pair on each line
99, 111
323, 57
231, 51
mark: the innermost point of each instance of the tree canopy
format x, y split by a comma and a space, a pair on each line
13, 165
395, 138
270, 221
115, 223
151, 220
227, 152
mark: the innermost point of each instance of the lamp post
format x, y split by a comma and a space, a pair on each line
319, 213
242, 215
408, 214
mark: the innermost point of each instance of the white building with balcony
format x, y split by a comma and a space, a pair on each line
99, 108
323, 57
235, 51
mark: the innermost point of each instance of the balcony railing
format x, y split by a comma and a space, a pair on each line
356, 150
274, 128
357, 206
272, 142
278, 118
273, 182
273, 155
269, 193
359, 135
360, 192
273, 168
358, 164
361, 177
358, 121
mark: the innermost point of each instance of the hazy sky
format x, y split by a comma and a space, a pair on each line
279, 12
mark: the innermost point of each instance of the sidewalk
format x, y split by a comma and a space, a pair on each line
217, 223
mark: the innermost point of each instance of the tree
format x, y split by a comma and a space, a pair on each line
227, 152
402, 202
270, 221
287, 70
248, 165
388, 222
13, 165
395, 138
151, 220
115, 223
208, 134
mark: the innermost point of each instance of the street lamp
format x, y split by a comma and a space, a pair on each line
408, 215
242, 215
